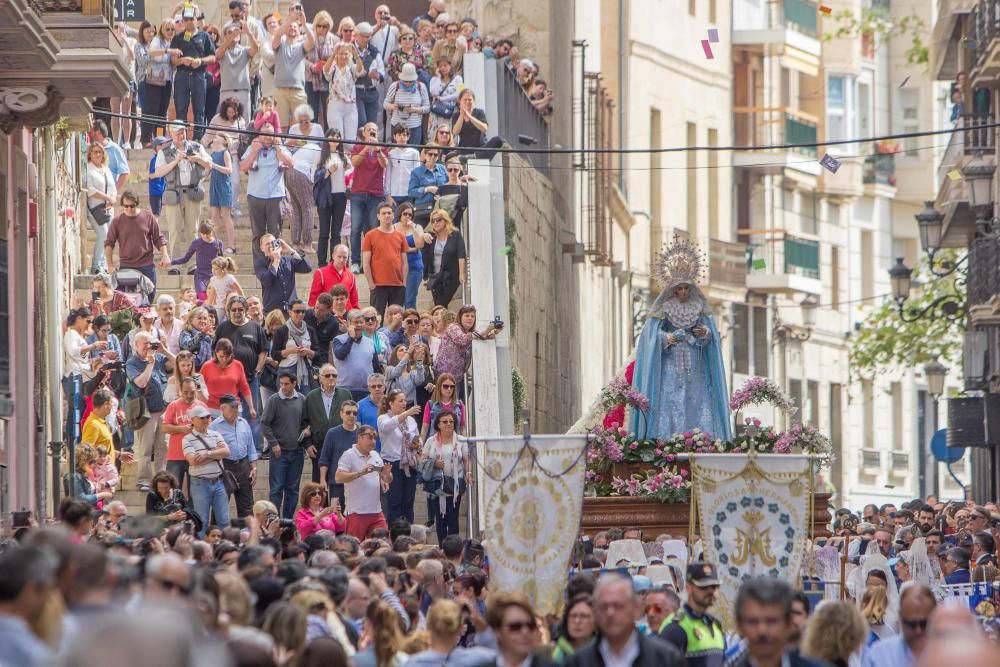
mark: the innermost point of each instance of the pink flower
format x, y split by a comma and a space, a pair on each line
659, 452
687, 434
756, 422
684, 472
670, 457
688, 442
634, 445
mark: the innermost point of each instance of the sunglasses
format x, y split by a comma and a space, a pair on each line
371, 319
316, 494
347, 30
372, 387
914, 625
519, 626
451, 31
444, 131
447, 386
351, 412
410, 322
237, 310
329, 375
654, 609
406, 214
454, 170
299, 311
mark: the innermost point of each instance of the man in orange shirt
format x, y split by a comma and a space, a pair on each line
177, 424
383, 256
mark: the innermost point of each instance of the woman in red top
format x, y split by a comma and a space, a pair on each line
223, 374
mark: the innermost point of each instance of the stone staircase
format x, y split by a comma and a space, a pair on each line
171, 284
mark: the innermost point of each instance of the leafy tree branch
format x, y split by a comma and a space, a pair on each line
880, 26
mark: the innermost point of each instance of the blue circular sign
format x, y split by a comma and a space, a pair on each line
940, 449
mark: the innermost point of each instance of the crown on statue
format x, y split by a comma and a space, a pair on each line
680, 262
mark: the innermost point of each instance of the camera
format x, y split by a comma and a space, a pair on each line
275, 244
95, 295
191, 151
21, 519
284, 523
154, 345
497, 322
113, 366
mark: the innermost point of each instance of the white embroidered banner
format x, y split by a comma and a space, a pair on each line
754, 513
533, 500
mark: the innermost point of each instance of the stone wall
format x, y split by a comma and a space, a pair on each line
544, 291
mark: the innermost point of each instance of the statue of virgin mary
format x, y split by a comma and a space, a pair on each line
678, 364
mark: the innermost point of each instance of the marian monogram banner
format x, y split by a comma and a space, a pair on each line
755, 513
533, 500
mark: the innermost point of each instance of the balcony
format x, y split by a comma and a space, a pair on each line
878, 174
947, 36
727, 264
785, 264
972, 139
790, 24
985, 29
519, 123
761, 126
66, 48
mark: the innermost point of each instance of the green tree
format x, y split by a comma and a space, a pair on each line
878, 24
885, 342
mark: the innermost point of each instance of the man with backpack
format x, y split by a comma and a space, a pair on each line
182, 164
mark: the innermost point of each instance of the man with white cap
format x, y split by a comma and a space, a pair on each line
181, 164
366, 87
204, 450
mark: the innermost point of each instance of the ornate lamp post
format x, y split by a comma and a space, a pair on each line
948, 305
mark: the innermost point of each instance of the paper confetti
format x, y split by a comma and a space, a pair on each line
825, 9
955, 175
705, 44
759, 265
830, 163
713, 35
506, 250
904, 81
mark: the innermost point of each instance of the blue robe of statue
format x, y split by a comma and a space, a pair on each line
685, 382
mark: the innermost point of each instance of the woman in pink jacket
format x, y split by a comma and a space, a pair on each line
313, 515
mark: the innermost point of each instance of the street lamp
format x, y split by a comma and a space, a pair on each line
901, 279
900, 275
809, 305
930, 222
979, 176
936, 373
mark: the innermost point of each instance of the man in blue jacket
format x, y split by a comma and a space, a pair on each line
276, 272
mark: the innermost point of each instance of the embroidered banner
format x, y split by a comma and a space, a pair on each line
754, 512
533, 500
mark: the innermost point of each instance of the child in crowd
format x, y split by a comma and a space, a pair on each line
223, 284
188, 300
104, 473
205, 248
220, 192
402, 162
156, 185
267, 114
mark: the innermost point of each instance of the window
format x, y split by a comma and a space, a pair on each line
713, 185
795, 393
868, 405
909, 102
692, 182
812, 403
897, 415
835, 277
867, 265
750, 339
865, 127
840, 116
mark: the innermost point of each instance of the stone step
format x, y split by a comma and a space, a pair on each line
135, 500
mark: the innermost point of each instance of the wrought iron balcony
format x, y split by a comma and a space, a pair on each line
984, 270
880, 170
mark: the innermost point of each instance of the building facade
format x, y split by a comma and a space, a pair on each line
56, 54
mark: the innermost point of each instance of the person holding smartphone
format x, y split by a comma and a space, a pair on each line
367, 188
365, 476
147, 370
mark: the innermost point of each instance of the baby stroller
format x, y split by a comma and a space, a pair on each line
135, 285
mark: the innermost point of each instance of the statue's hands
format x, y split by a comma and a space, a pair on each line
671, 340
700, 331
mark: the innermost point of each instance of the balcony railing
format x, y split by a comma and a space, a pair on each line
802, 257
797, 15
984, 270
762, 126
727, 263
972, 138
880, 170
986, 22
105, 8
520, 123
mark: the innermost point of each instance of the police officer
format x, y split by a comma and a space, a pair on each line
691, 628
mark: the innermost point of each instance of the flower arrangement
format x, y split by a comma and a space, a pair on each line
756, 438
808, 440
621, 392
667, 485
758, 390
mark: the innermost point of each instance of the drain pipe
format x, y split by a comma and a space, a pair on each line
52, 260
